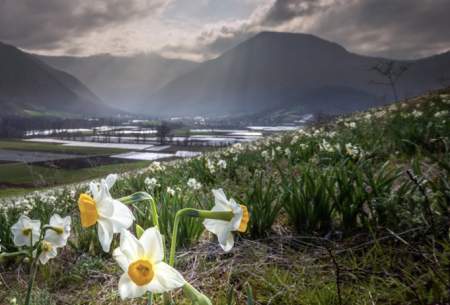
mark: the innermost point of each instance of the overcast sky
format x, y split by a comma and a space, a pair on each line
203, 29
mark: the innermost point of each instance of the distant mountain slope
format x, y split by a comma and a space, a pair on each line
27, 85
121, 81
276, 70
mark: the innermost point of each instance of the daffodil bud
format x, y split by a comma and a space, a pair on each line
135, 198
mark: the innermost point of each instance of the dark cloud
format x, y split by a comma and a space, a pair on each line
285, 10
216, 41
45, 24
390, 28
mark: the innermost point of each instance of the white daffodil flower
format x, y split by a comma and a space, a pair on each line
60, 231
54, 238
110, 215
48, 251
143, 266
194, 184
223, 229
26, 232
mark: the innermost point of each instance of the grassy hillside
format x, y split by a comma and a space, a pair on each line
355, 211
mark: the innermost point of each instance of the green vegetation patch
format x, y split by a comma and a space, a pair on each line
57, 148
17, 178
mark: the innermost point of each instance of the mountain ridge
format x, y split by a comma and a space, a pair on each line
122, 81
28, 84
281, 70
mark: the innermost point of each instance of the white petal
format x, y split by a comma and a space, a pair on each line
35, 225
166, 279
128, 289
25, 222
122, 218
54, 238
104, 202
215, 226
44, 257
36, 230
105, 234
59, 240
233, 204
21, 240
221, 199
58, 221
55, 220
121, 259
235, 222
93, 187
223, 231
226, 240
16, 228
151, 240
218, 207
130, 246
110, 180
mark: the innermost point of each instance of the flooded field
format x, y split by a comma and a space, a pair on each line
90, 144
53, 157
130, 134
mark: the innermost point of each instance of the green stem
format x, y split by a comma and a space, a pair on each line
33, 272
34, 266
13, 254
150, 298
218, 215
143, 196
225, 216
154, 213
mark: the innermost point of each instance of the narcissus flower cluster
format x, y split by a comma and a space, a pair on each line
28, 233
142, 259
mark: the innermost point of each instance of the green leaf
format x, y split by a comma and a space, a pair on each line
250, 300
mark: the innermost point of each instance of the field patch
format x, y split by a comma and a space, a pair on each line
31, 156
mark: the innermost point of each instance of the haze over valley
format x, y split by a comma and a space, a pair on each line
271, 71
